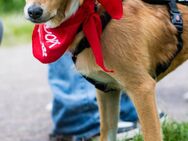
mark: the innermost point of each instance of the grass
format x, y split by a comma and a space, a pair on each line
172, 131
17, 30
175, 131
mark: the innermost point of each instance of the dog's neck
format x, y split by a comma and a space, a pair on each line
70, 8
80, 35
75, 42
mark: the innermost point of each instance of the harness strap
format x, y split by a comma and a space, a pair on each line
156, 1
185, 2
100, 85
177, 21
83, 44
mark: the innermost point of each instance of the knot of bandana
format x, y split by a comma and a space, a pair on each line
49, 44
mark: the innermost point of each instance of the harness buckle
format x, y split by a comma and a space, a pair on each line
176, 19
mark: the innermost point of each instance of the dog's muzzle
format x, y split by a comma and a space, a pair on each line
35, 12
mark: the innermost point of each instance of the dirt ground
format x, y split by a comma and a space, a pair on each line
24, 94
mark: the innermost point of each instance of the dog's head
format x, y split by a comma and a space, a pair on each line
51, 12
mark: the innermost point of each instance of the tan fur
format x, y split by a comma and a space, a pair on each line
132, 47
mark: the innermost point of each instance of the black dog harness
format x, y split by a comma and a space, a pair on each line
176, 19
83, 44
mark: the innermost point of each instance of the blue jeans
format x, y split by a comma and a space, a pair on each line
75, 110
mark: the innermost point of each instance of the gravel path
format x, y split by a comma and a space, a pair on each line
24, 94
171, 93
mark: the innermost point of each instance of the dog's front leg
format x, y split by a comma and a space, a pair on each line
143, 96
109, 114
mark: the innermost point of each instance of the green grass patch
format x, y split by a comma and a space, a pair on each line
17, 30
172, 131
175, 131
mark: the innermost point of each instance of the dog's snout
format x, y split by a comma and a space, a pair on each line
35, 12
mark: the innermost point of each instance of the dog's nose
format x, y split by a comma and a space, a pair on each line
35, 12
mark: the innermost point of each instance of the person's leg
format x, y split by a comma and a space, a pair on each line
127, 125
127, 109
75, 110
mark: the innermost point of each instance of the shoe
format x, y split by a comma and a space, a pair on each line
53, 137
126, 130
163, 116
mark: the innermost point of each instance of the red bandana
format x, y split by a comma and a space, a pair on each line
49, 44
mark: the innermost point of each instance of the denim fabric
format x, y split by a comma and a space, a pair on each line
75, 110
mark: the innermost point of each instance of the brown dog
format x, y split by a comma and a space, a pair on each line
132, 47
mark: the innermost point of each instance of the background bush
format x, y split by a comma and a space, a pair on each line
17, 30
11, 5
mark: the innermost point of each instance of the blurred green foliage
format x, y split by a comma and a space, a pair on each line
172, 131
11, 6
17, 30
